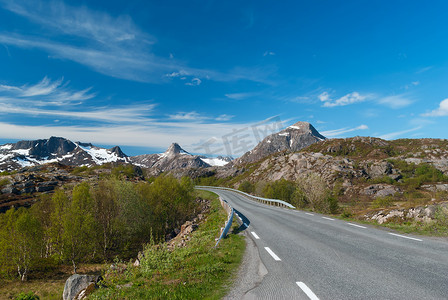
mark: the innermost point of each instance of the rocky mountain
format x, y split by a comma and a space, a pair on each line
291, 139
56, 149
363, 167
173, 158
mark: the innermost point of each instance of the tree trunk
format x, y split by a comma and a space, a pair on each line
74, 266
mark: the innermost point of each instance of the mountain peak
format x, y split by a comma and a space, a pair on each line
306, 127
175, 149
292, 138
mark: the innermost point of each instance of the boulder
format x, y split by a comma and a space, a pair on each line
76, 283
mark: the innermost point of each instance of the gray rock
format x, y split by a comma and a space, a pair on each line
77, 283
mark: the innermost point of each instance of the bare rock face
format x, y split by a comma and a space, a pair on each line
293, 138
77, 285
173, 158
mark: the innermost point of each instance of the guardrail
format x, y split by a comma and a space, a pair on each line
229, 209
274, 202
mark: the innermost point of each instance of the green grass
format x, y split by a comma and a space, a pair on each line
437, 227
197, 271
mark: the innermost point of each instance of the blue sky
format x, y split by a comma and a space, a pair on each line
143, 74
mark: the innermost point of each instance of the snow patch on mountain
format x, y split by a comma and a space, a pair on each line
215, 162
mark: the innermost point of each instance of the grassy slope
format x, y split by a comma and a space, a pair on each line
197, 271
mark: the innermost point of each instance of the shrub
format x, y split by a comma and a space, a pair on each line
3, 182
27, 296
246, 187
383, 202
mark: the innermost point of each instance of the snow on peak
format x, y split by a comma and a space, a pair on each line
215, 162
100, 155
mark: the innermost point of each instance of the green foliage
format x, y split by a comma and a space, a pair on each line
384, 179
27, 296
247, 187
20, 240
80, 170
319, 197
79, 225
416, 175
91, 224
197, 271
383, 202
281, 189
123, 171
3, 182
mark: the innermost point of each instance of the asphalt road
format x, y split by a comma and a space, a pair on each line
311, 256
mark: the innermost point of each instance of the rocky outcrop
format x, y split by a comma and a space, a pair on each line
420, 214
291, 139
80, 286
174, 158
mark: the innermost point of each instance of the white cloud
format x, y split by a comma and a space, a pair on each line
396, 134
194, 82
211, 139
224, 117
270, 53
396, 102
351, 98
324, 97
187, 116
439, 112
240, 96
341, 131
44, 93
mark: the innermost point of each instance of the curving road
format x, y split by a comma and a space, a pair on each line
301, 255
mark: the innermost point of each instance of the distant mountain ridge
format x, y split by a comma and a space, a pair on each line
56, 149
293, 138
175, 158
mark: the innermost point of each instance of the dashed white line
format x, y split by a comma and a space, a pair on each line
328, 218
405, 237
309, 214
307, 290
255, 235
274, 256
356, 225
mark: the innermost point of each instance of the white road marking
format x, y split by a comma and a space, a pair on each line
272, 254
307, 290
356, 225
406, 237
309, 214
328, 218
255, 235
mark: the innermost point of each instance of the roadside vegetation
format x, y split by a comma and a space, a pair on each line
196, 271
94, 223
84, 228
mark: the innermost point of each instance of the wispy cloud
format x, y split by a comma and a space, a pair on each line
341, 131
439, 112
224, 117
187, 116
269, 53
44, 93
396, 134
113, 46
351, 98
423, 70
240, 96
57, 99
194, 82
396, 102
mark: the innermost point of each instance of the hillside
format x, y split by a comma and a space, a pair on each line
293, 138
